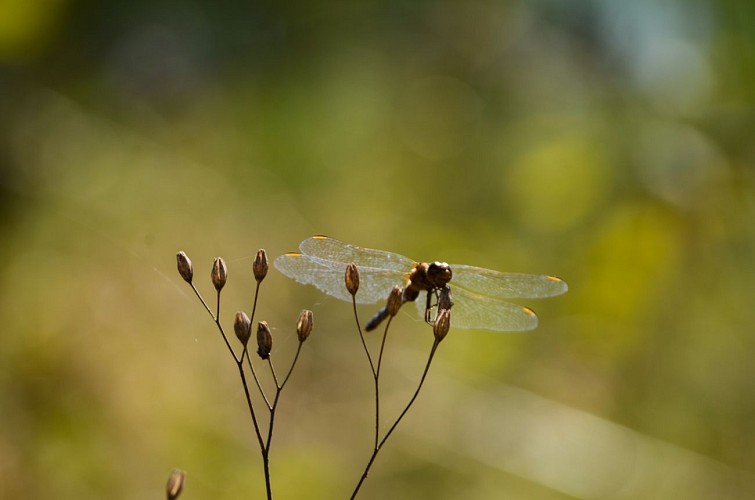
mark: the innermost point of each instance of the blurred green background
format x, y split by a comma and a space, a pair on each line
610, 143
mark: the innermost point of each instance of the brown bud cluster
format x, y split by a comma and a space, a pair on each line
260, 266
219, 273
185, 269
175, 484
352, 279
243, 327
264, 340
304, 325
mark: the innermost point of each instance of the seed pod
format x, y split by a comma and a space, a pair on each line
264, 340
260, 265
243, 327
304, 325
175, 484
352, 279
395, 299
442, 324
185, 269
219, 273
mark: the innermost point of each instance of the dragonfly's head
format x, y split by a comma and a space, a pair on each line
439, 274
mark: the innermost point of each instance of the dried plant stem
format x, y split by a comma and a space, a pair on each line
264, 444
379, 445
254, 305
249, 403
256, 378
375, 370
242, 328
215, 318
361, 336
291, 369
376, 379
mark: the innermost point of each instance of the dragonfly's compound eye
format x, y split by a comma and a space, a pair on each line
439, 273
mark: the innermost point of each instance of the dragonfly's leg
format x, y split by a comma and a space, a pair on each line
429, 316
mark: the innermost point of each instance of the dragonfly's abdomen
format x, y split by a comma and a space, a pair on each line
377, 319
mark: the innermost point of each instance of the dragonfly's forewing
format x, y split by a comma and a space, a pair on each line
506, 285
328, 276
330, 250
478, 312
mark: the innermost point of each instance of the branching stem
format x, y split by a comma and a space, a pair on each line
379, 445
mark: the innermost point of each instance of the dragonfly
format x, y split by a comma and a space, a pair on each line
480, 296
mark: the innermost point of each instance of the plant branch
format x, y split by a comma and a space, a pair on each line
395, 424
361, 336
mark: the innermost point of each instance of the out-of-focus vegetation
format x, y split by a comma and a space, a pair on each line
608, 142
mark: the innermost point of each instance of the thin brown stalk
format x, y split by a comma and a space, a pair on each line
379, 445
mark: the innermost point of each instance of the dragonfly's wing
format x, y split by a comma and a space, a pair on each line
478, 312
505, 285
328, 276
323, 248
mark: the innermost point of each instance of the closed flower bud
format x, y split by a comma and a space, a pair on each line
264, 340
260, 265
243, 327
175, 484
304, 325
352, 279
219, 273
185, 269
442, 324
395, 299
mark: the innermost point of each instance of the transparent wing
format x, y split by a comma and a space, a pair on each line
505, 285
477, 312
328, 277
477, 292
329, 250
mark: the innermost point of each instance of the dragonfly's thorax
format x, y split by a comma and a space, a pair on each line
425, 277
